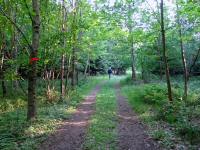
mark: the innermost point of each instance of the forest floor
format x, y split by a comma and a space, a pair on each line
71, 134
131, 131
104, 120
104, 114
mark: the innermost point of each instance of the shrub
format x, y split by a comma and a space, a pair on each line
52, 96
189, 131
154, 94
127, 81
10, 105
168, 113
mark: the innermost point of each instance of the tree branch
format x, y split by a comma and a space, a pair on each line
29, 13
16, 26
194, 61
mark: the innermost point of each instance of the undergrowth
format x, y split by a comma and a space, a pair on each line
17, 133
174, 124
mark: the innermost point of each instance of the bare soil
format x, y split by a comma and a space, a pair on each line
132, 134
71, 134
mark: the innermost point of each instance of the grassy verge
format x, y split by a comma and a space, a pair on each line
102, 130
176, 125
17, 133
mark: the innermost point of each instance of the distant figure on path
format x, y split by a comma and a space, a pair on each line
109, 72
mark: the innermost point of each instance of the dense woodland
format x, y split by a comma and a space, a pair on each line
51, 50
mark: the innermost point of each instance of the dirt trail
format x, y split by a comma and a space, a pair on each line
131, 132
70, 136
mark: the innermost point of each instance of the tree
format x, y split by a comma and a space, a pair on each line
182, 54
164, 52
62, 84
31, 114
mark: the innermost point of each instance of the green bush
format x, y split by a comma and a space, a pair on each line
10, 105
127, 81
154, 94
189, 131
180, 118
171, 112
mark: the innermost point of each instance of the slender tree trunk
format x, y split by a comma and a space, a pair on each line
4, 90
74, 45
31, 114
66, 74
86, 67
160, 55
68, 71
64, 29
133, 62
73, 68
62, 82
143, 73
15, 48
183, 56
164, 53
194, 62
129, 25
77, 76
132, 55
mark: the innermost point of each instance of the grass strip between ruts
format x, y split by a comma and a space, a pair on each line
102, 132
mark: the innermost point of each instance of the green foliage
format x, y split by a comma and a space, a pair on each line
188, 131
168, 121
17, 133
159, 135
171, 112
128, 80
154, 94
10, 104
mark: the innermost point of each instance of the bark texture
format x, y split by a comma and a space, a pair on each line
183, 56
164, 52
31, 114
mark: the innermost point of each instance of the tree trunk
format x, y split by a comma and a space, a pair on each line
68, 71
74, 46
31, 114
86, 67
133, 63
130, 27
4, 91
15, 49
62, 82
77, 77
73, 68
160, 55
183, 56
164, 53
194, 62
143, 72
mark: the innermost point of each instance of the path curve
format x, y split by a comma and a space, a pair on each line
71, 135
131, 132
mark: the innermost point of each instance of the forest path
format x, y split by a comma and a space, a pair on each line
131, 132
71, 135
